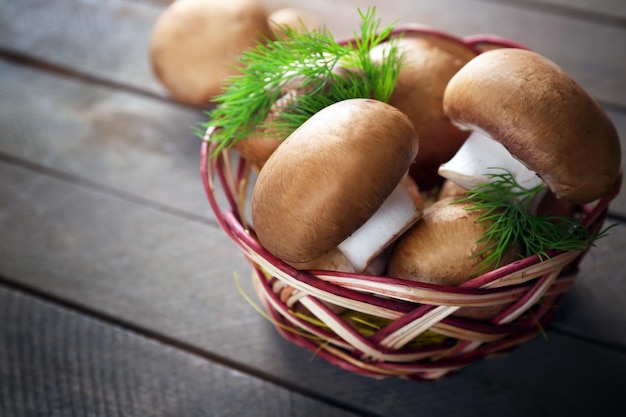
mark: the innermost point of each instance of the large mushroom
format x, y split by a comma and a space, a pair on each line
194, 45
336, 182
429, 61
531, 118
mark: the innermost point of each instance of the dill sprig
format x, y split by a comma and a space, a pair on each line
312, 58
505, 206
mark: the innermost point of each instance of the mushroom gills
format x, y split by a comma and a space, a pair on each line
396, 215
481, 155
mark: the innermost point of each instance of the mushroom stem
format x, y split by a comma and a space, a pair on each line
479, 154
396, 215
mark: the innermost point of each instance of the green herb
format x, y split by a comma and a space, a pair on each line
505, 205
312, 59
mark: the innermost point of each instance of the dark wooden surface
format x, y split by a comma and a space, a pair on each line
118, 290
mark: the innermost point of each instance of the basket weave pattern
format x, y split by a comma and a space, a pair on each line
415, 334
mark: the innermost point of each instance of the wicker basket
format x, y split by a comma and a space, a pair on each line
393, 327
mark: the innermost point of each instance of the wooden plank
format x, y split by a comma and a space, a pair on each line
611, 10
140, 147
64, 34
167, 274
607, 9
57, 362
593, 306
105, 40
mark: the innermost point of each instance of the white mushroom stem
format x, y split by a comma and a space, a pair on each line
396, 215
480, 156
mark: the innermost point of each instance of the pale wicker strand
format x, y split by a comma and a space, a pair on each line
537, 270
540, 292
465, 334
394, 369
412, 330
419, 295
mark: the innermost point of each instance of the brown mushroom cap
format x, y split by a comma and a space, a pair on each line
451, 189
293, 18
441, 248
330, 176
429, 63
194, 45
542, 116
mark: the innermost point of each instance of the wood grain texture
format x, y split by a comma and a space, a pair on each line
64, 33
170, 275
135, 145
101, 205
106, 40
611, 10
55, 362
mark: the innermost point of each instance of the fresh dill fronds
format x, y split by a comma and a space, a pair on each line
325, 72
505, 206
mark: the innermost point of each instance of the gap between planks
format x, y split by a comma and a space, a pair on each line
68, 72
107, 190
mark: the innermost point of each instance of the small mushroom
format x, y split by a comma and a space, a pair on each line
194, 45
335, 182
444, 248
441, 247
544, 126
261, 143
429, 62
451, 189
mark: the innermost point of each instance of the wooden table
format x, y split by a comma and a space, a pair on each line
117, 288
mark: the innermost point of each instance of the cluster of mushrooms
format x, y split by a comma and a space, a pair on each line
365, 186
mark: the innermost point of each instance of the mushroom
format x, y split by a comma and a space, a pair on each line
430, 60
261, 143
451, 189
544, 126
194, 45
293, 18
335, 182
444, 247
